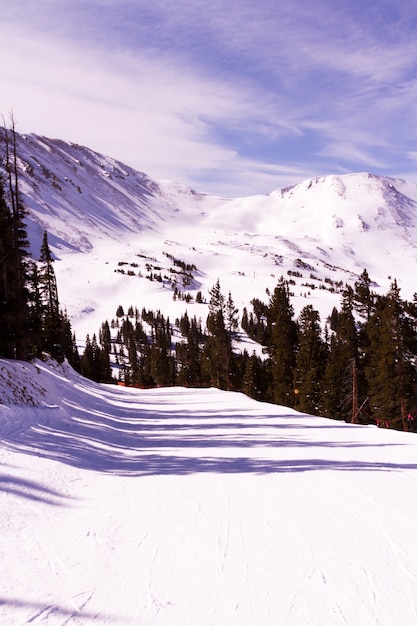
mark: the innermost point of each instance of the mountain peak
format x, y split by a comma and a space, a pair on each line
92, 204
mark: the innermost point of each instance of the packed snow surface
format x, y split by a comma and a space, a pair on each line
197, 507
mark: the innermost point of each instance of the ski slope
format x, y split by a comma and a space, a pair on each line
177, 507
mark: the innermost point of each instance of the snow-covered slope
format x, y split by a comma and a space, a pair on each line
201, 507
103, 217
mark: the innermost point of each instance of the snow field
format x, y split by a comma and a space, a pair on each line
183, 506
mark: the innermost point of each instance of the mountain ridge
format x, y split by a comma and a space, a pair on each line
100, 212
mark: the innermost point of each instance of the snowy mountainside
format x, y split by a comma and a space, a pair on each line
78, 194
112, 227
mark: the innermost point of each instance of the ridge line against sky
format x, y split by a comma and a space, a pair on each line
231, 98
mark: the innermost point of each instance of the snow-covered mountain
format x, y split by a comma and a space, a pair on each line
111, 226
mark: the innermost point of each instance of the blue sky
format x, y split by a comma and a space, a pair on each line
232, 97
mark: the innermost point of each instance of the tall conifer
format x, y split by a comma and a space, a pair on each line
310, 361
15, 254
281, 344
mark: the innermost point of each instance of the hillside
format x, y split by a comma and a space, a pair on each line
203, 507
104, 217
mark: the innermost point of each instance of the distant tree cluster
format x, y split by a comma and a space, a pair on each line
361, 368
31, 322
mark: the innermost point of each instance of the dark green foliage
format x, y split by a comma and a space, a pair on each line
232, 322
7, 283
14, 339
217, 353
188, 354
363, 298
55, 337
49, 303
310, 361
281, 345
337, 399
390, 365
254, 377
162, 362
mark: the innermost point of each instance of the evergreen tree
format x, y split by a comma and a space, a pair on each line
87, 360
91, 361
363, 298
218, 347
391, 374
232, 322
281, 338
105, 337
68, 343
35, 310
310, 361
188, 356
343, 380
52, 320
245, 320
162, 364
14, 251
253, 381
184, 325
7, 346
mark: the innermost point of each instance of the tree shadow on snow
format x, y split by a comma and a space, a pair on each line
36, 611
135, 435
29, 490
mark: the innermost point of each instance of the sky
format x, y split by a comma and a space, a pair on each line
232, 98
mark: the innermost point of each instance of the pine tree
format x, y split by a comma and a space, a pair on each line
310, 361
363, 298
52, 321
218, 347
343, 383
6, 279
232, 322
14, 250
91, 361
391, 358
188, 356
281, 344
162, 364
253, 380
35, 310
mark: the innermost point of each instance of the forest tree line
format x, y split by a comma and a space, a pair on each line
361, 367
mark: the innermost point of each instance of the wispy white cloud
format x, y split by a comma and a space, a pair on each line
150, 112
244, 94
